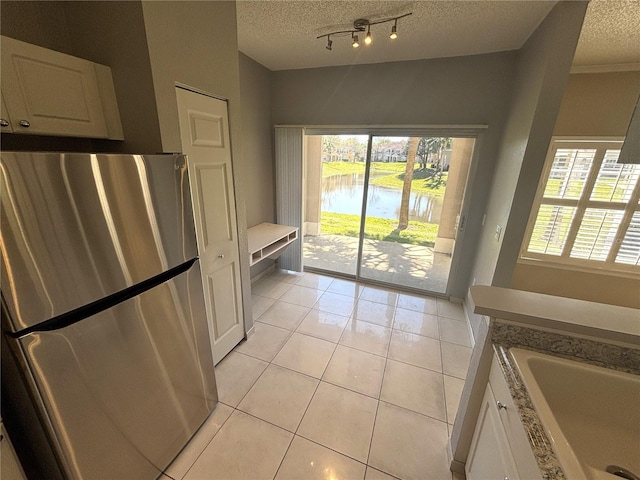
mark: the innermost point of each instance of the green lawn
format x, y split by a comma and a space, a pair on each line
418, 233
427, 186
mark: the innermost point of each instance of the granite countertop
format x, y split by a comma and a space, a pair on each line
505, 336
603, 335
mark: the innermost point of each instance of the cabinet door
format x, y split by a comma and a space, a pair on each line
490, 456
50, 93
5, 120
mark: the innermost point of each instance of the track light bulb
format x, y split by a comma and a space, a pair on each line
368, 39
394, 32
356, 42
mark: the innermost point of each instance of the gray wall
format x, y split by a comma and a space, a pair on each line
543, 72
543, 65
43, 24
113, 33
149, 46
457, 91
40, 23
196, 44
257, 146
110, 33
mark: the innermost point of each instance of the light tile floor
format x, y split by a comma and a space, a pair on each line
339, 380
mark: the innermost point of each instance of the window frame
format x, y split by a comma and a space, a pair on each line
564, 260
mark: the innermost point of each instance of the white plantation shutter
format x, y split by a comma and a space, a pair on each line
629, 252
551, 228
586, 212
596, 234
615, 182
568, 173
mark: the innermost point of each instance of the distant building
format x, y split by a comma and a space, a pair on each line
389, 152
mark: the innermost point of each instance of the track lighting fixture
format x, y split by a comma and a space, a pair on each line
368, 39
394, 31
360, 25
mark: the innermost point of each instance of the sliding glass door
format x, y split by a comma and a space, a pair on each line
387, 207
335, 168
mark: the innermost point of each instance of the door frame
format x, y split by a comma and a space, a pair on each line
457, 131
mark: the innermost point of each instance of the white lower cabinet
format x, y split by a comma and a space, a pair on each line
490, 456
499, 448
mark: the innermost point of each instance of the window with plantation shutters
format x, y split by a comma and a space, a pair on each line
587, 210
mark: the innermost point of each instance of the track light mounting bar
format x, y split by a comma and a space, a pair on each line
360, 25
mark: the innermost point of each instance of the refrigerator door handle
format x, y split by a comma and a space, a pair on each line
79, 314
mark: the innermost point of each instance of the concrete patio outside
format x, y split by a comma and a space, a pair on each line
393, 263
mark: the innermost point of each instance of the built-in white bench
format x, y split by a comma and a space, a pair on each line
267, 240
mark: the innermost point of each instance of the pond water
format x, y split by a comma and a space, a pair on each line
343, 194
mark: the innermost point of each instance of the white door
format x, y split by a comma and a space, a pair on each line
204, 131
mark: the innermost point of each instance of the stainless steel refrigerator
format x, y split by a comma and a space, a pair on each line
107, 368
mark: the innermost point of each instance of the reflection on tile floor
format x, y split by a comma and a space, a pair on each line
413, 266
339, 380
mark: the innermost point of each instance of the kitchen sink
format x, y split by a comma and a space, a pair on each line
591, 414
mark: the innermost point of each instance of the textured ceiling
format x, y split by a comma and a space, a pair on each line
281, 34
610, 34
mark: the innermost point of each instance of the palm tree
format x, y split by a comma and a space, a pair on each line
439, 145
423, 152
403, 221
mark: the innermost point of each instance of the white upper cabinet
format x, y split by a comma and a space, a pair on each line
46, 92
5, 121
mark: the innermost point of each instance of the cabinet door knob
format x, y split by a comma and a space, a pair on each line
3, 122
24, 123
501, 406
221, 256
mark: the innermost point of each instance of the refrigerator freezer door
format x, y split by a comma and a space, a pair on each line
124, 390
76, 227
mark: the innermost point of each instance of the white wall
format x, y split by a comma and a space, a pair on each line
594, 104
598, 104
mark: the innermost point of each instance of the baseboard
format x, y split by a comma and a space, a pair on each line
250, 332
469, 327
264, 273
456, 466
